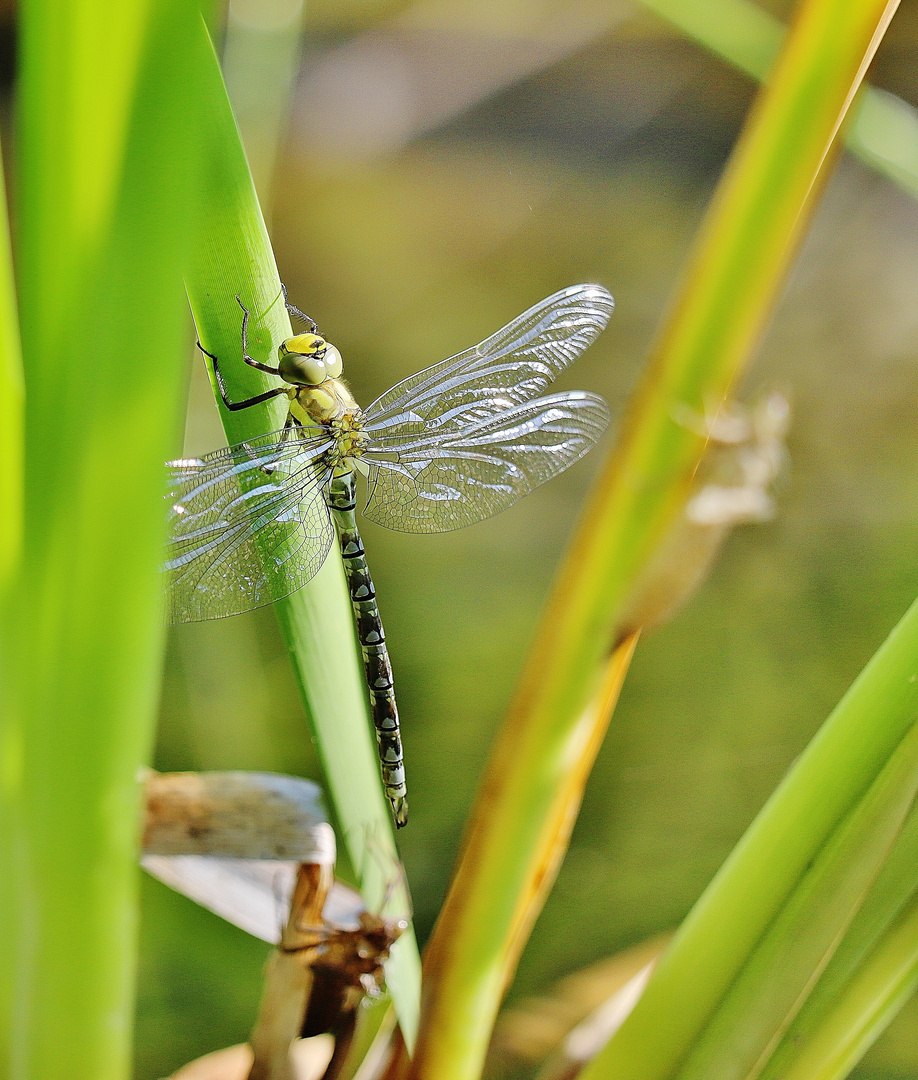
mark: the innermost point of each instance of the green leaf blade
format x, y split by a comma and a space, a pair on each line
233, 257
108, 186
741, 903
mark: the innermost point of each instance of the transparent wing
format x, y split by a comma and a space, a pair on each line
506, 369
248, 525
437, 482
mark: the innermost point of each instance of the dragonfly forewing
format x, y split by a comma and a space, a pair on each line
248, 524
436, 481
510, 367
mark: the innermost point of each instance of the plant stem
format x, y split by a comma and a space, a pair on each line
738, 265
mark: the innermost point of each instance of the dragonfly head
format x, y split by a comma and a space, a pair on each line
308, 360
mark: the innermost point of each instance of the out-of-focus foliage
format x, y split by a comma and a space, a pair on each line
104, 170
594, 164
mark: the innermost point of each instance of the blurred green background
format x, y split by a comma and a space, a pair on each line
445, 165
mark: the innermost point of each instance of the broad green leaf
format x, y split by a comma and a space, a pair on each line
107, 163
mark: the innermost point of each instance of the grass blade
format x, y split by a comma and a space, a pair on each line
876, 992
12, 405
768, 992
883, 131
863, 982
728, 921
739, 263
12, 394
233, 256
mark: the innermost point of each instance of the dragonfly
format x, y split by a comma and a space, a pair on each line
446, 447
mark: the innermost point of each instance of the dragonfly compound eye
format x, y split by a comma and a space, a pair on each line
334, 365
301, 360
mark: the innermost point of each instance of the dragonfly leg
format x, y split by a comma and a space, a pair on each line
251, 361
289, 425
296, 311
342, 501
235, 406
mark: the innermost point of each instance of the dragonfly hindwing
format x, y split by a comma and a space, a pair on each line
248, 524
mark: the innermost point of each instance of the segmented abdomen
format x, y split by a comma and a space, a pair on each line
372, 638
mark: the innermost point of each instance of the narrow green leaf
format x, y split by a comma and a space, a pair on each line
738, 31
737, 267
11, 514
233, 257
12, 404
727, 923
768, 992
883, 131
863, 948
875, 993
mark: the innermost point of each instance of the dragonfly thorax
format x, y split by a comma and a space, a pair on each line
326, 403
308, 360
350, 437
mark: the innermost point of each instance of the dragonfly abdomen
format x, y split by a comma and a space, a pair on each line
372, 638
